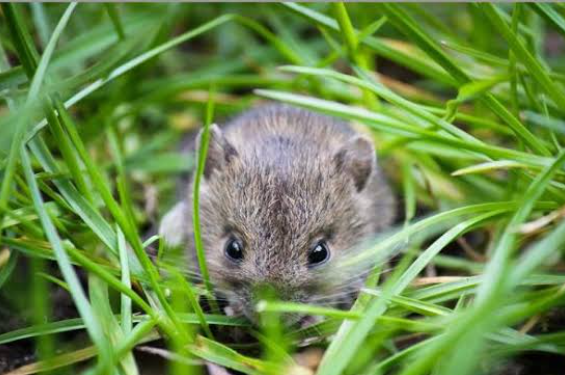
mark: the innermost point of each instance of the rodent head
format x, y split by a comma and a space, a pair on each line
284, 214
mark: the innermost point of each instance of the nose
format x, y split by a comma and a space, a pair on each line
269, 290
274, 279
266, 289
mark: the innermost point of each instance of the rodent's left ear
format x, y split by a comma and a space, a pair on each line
358, 158
220, 150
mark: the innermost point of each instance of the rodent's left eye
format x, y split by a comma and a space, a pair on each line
234, 249
319, 254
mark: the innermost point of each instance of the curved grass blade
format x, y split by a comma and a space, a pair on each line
367, 83
78, 324
201, 155
125, 223
116, 21
495, 285
412, 30
420, 65
215, 352
498, 266
404, 22
536, 254
79, 297
537, 71
551, 15
488, 167
125, 306
394, 126
32, 96
334, 364
138, 60
100, 299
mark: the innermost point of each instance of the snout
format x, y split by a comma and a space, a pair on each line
245, 301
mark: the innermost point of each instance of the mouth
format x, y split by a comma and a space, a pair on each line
288, 320
308, 321
237, 306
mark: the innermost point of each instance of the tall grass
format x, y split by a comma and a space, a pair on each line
464, 102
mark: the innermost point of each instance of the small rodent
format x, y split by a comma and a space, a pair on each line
286, 195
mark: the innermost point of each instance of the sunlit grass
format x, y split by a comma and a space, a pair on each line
465, 105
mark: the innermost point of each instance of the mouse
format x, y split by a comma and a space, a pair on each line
286, 196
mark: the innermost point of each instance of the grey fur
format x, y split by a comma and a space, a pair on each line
280, 179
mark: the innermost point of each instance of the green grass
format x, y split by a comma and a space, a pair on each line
465, 105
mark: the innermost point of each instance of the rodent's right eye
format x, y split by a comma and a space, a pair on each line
234, 250
319, 254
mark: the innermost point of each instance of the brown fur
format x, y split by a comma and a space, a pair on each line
280, 179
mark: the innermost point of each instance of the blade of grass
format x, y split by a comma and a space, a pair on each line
422, 66
123, 221
122, 185
79, 297
125, 303
551, 15
41, 22
334, 364
352, 42
85, 210
488, 167
398, 17
412, 30
57, 362
78, 324
193, 300
388, 124
536, 254
385, 93
18, 36
202, 152
497, 268
494, 286
98, 293
112, 10
215, 352
136, 61
41, 306
340, 14
290, 307
538, 72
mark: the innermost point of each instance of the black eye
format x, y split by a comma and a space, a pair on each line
318, 254
234, 250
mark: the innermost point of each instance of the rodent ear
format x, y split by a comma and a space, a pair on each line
357, 157
220, 150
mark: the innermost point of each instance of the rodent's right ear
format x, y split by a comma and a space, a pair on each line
357, 157
220, 150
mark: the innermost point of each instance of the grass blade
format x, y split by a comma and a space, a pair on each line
82, 304
38, 74
125, 309
202, 151
116, 21
537, 71
334, 364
